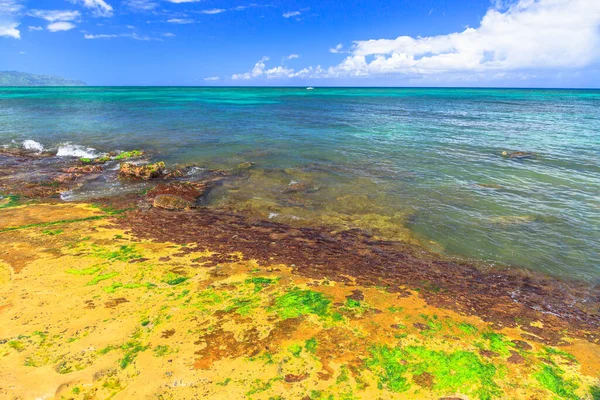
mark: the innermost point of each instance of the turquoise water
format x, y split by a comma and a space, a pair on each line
416, 164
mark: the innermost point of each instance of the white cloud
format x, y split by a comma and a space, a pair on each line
212, 11
181, 21
9, 23
168, 34
291, 14
60, 26
141, 5
521, 40
35, 28
337, 49
100, 8
183, 1
260, 71
55, 15
134, 36
292, 56
529, 34
212, 78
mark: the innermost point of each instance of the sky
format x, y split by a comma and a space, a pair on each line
499, 43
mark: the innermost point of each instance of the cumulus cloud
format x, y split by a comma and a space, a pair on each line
260, 70
100, 8
511, 41
60, 26
528, 34
9, 10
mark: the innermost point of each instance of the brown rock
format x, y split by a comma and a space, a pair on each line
144, 172
424, 380
295, 378
356, 295
185, 190
171, 202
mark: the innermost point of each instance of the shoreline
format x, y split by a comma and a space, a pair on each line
117, 297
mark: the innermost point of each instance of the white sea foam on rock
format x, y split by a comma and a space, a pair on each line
33, 146
75, 150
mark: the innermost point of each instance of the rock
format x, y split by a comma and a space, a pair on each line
88, 169
519, 154
171, 202
522, 345
143, 172
188, 191
515, 358
245, 165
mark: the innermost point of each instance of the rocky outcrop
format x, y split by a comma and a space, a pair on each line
141, 172
171, 202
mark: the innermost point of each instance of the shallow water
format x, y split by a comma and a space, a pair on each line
414, 164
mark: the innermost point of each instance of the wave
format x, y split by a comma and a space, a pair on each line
76, 150
33, 146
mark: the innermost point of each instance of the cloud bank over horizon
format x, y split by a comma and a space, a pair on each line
527, 35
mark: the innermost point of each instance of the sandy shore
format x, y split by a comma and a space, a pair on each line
114, 300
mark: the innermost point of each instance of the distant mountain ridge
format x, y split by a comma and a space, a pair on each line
14, 78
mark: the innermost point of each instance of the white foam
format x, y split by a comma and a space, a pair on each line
273, 215
33, 145
75, 150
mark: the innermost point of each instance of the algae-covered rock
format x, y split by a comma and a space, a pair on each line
188, 191
171, 202
519, 154
144, 172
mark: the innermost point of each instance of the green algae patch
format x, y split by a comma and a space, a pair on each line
448, 373
52, 223
123, 253
119, 285
128, 154
311, 345
131, 350
298, 302
102, 277
176, 281
8, 201
85, 160
551, 378
85, 271
260, 283
497, 342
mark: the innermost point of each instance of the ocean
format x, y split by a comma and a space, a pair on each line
420, 165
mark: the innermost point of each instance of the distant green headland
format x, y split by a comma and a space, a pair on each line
14, 78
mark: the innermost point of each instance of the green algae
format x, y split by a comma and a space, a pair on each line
128, 154
467, 328
131, 350
102, 277
595, 392
85, 271
497, 342
459, 371
176, 281
7, 201
161, 350
551, 351
260, 283
311, 345
16, 345
225, 382
551, 378
299, 302
50, 232
44, 224
118, 285
295, 349
85, 160
394, 309
123, 253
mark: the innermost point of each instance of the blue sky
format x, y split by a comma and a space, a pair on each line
535, 43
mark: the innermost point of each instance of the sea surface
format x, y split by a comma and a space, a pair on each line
420, 165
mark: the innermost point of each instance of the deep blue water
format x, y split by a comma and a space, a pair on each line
424, 163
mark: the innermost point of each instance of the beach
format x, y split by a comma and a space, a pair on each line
143, 296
